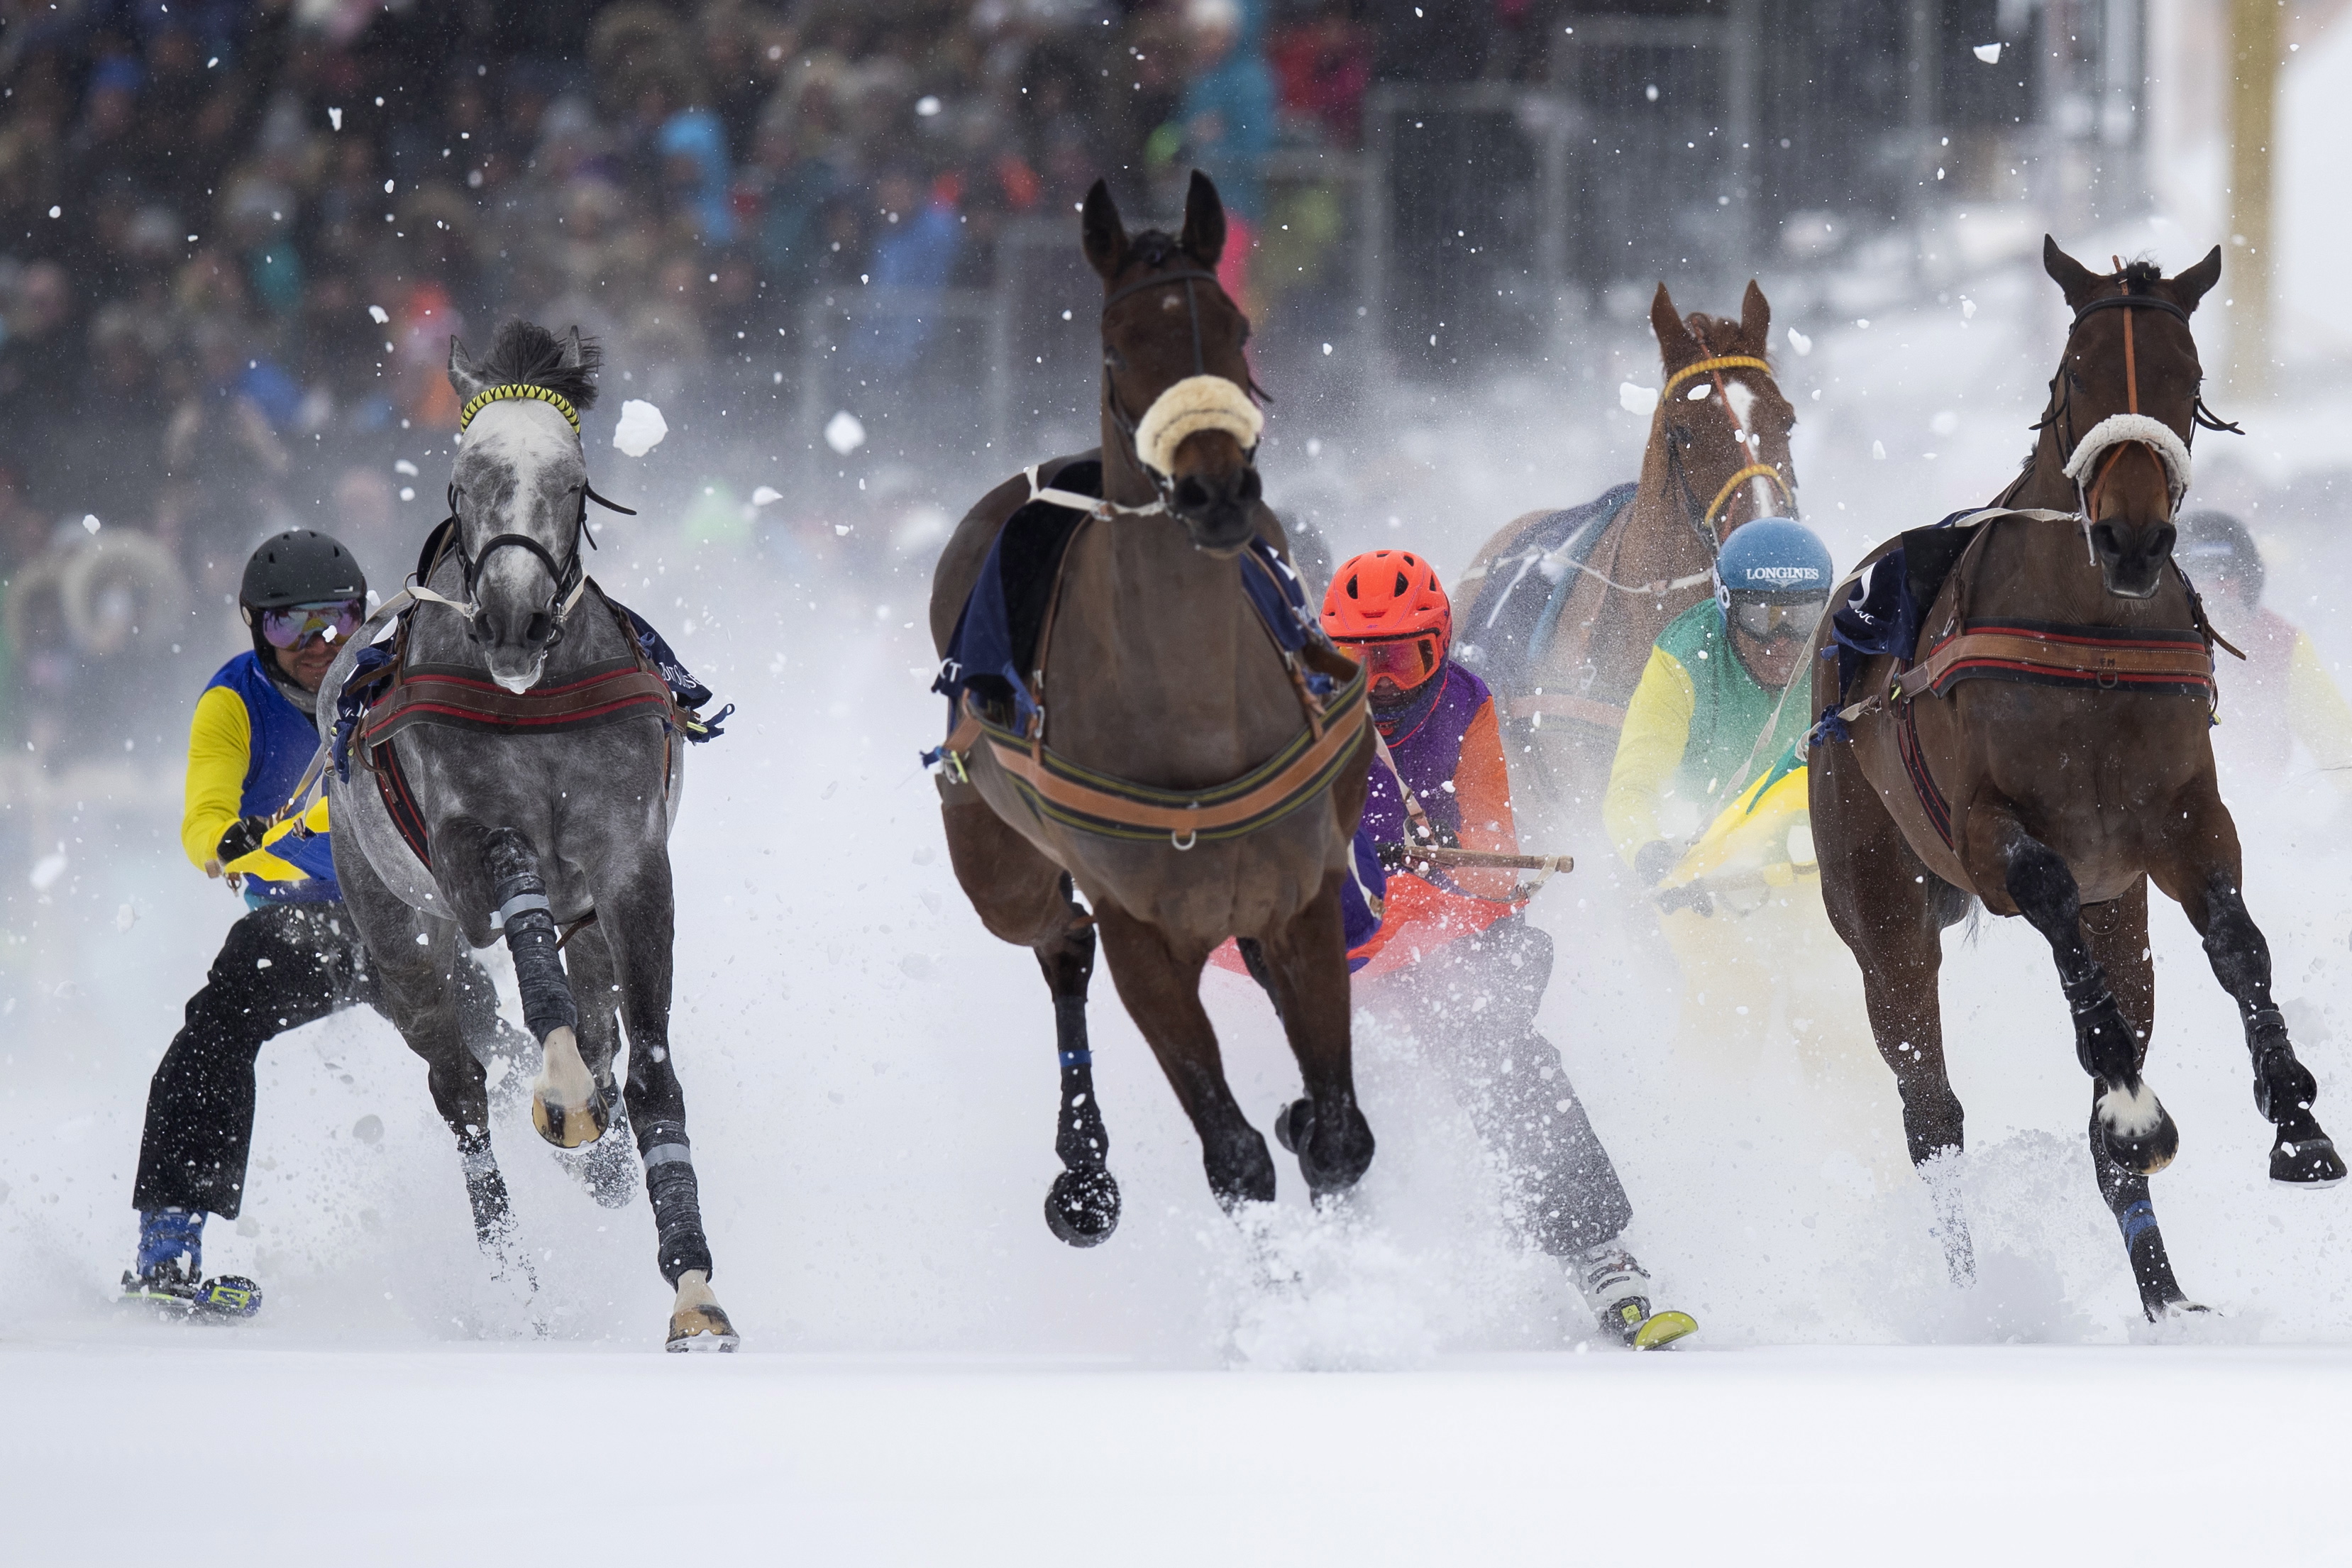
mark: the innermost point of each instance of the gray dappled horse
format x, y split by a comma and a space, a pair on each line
531, 833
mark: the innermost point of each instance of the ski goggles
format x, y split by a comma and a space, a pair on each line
299, 625
1406, 661
1770, 620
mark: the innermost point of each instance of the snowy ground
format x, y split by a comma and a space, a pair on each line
470, 1456
871, 1090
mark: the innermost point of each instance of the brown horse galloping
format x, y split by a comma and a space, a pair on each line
1564, 629
2041, 744
1131, 625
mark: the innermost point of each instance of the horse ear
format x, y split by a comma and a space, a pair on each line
1676, 344
572, 351
2191, 286
2074, 279
465, 375
1755, 317
1203, 238
1105, 235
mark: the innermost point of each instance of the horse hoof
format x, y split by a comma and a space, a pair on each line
1293, 1124
2170, 1309
569, 1127
2140, 1135
2307, 1162
1295, 1130
565, 1102
1082, 1208
698, 1323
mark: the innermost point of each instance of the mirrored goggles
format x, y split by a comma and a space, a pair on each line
299, 625
1405, 661
1767, 620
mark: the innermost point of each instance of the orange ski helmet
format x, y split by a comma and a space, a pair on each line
1387, 607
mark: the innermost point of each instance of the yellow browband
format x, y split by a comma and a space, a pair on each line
490, 394
1728, 362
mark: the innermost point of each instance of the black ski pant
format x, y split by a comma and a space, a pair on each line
283, 965
1472, 1005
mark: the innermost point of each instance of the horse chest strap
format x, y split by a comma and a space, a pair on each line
2041, 653
461, 699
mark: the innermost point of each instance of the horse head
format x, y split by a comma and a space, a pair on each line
1172, 348
519, 491
2124, 407
1721, 426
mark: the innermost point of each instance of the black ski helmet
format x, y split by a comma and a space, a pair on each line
300, 566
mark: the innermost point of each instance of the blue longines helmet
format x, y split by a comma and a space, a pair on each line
1777, 560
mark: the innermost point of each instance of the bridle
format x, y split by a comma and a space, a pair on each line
1702, 518
2059, 420
1164, 484
570, 574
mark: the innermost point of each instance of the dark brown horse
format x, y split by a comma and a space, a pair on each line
1164, 687
1566, 652
2040, 744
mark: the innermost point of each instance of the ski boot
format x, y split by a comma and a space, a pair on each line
1616, 1289
171, 1266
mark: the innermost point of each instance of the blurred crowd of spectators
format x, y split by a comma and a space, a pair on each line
236, 235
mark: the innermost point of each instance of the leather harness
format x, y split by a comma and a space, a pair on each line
1060, 789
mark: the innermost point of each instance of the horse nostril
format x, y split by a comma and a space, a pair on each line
1251, 487
1191, 495
537, 629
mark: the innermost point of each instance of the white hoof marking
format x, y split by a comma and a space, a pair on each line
2131, 1115
563, 1081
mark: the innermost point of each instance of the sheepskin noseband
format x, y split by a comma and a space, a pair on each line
2117, 428
1195, 404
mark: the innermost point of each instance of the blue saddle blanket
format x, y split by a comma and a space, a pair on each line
1881, 615
996, 634
1516, 613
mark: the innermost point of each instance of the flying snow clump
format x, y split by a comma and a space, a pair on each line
1799, 341
845, 432
1989, 53
1635, 399
766, 494
641, 429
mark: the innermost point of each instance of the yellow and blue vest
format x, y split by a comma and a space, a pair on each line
247, 748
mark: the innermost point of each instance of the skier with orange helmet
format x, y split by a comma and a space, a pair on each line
1447, 937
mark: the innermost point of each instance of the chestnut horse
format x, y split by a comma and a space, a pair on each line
2040, 743
1167, 692
1562, 628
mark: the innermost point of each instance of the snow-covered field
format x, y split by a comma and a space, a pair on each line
467, 1454
928, 1376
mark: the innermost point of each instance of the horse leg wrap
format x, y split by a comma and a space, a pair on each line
485, 1192
1082, 1206
676, 1199
530, 925
1081, 1139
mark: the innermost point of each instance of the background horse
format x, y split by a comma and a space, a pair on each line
1163, 684
1565, 605
529, 831
2041, 742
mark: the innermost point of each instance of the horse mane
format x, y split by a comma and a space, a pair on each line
1721, 335
1152, 247
528, 354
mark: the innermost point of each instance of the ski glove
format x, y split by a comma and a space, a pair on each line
243, 838
1653, 861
